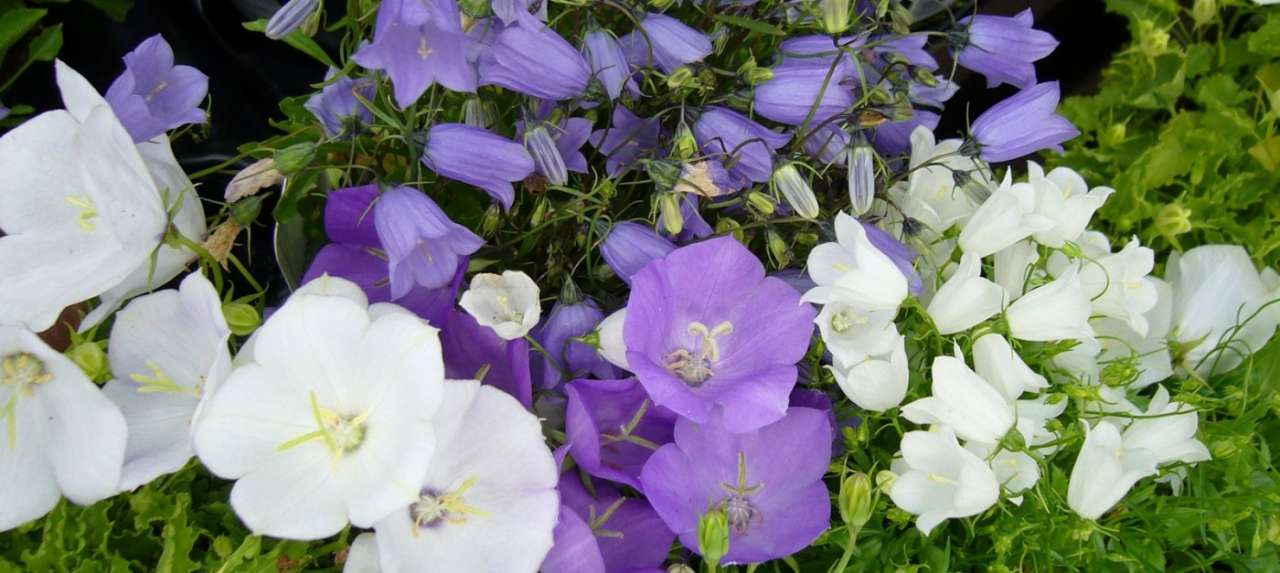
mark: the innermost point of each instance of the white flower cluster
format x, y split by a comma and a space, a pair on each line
1013, 266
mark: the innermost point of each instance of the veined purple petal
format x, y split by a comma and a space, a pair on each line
630, 536
630, 246
1022, 124
153, 95
478, 157
418, 43
423, 246
790, 96
337, 107
669, 41
598, 411
532, 59
744, 146
556, 334
348, 216
608, 63
628, 138
471, 350
1004, 49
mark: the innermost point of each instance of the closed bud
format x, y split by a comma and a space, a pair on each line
792, 185
925, 77
861, 169
753, 74
292, 159
1273, 530
686, 145
661, 5
672, 218
1114, 134
683, 76
1225, 448
290, 17
879, 96
539, 212
489, 223
727, 225
1173, 219
605, 188
762, 203
478, 113
713, 536
855, 500
242, 318
807, 239
835, 15
246, 211
546, 156
778, 249
91, 359
901, 19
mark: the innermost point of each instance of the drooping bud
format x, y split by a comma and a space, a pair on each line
788, 181
727, 225
685, 146
489, 222
778, 249
478, 113
546, 156
242, 318
835, 15
290, 17
855, 500
1173, 219
292, 159
862, 177
628, 247
713, 536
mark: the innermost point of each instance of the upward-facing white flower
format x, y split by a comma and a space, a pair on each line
1007, 216
330, 420
168, 352
1216, 289
81, 211
1119, 286
997, 363
1064, 197
507, 303
963, 401
1105, 471
875, 382
1168, 430
854, 271
940, 480
966, 298
58, 434
851, 333
1055, 311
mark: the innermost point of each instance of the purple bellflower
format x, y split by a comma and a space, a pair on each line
608, 63
569, 320
768, 482
744, 146
531, 58
790, 96
666, 43
1003, 49
418, 43
894, 137
705, 329
910, 47
478, 157
613, 427
336, 106
828, 144
605, 532
475, 352
153, 96
556, 148
819, 52
630, 246
629, 138
1021, 124
422, 244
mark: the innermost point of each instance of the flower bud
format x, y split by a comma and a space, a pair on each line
925, 77
478, 113
727, 225
835, 15
292, 159
855, 500
539, 212
489, 222
685, 146
91, 359
762, 203
546, 156
242, 318
683, 76
246, 211
672, 218
778, 249
788, 181
862, 177
290, 17
1173, 219
713, 536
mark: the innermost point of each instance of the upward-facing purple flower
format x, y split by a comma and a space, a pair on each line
630, 246
628, 138
744, 146
666, 43
531, 58
705, 329
613, 427
337, 107
569, 320
153, 96
1004, 49
768, 482
478, 157
791, 94
419, 43
608, 63
422, 244
1022, 124
602, 532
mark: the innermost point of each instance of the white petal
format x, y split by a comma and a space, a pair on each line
362, 556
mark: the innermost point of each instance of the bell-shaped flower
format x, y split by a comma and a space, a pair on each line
555, 147
602, 532
799, 94
1105, 471
852, 270
613, 427
362, 556
1216, 293
894, 137
665, 43
1056, 311
419, 43
608, 63
423, 246
487, 502
1064, 197
768, 483
1168, 430
153, 96
932, 196
1007, 216
828, 144
1015, 471
1003, 48
742, 145
939, 480
559, 334
290, 17
328, 421
1014, 267
876, 382
340, 111
168, 352
58, 434
630, 246
966, 299
82, 211
1147, 354
472, 351
851, 333
997, 363
529, 57
963, 401
628, 138
478, 157
1119, 287
507, 303
705, 329
1022, 124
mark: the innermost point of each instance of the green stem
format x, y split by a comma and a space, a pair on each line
848, 551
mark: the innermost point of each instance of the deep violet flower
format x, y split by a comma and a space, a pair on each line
153, 96
613, 427
1022, 124
567, 321
1004, 49
605, 532
630, 246
608, 63
478, 157
418, 43
666, 43
768, 482
475, 352
423, 246
705, 329
336, 106
628, 138
744, 146
531, 58
790, 96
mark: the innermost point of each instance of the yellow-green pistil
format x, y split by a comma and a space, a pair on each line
22, 372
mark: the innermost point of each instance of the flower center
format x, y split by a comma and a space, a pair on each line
22, 371
87, 212
158, 381
156, 90
434, 508
512, 315
340, 434
738, 508
846, 320
694, 365
423, 49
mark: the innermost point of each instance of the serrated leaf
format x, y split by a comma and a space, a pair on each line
1267, 152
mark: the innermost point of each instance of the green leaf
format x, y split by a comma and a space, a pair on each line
47, 45
749, 24
116, 9
301, 42
1267, 153
14, 24
1266, 40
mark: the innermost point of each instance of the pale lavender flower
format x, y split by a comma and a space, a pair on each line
1022, 124
613, 427
790, 96
153, 96
744, 146
820, 51
608, 63
423, 246
1003, 49
665, 42
602, 532
630, 246
627, 139
530, 58
478, 157
290, 17
336, 106
419, 43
